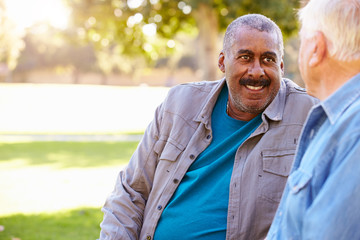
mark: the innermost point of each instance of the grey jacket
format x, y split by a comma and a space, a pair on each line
180, 131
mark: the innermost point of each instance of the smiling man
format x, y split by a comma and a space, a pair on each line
214, 161
253, 67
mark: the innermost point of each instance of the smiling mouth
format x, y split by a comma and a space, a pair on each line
254, 87
255, 84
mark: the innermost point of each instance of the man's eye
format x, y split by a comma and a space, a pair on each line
245, 57
267, 59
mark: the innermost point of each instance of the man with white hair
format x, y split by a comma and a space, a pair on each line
322, 196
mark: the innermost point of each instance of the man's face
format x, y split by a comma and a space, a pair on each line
253, 69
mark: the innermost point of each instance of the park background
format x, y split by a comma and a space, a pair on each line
79, 82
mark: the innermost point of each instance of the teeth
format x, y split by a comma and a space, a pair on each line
254, 88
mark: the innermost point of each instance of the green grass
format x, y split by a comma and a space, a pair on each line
68, 154
79, 224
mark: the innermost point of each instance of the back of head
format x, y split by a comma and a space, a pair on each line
253, 21
339, 21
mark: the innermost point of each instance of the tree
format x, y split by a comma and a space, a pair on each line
125, 25
52, 48
10, 43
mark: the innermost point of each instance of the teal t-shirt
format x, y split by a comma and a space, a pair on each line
198, 208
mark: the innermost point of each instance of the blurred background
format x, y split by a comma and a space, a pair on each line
79, 82
125, 42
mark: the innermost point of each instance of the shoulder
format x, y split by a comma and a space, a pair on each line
192, 93
297, 93
195, 87
350, 119
188, 99
296, 102
292, 87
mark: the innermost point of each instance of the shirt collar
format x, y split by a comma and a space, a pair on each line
341, 99
205, 114
275, 109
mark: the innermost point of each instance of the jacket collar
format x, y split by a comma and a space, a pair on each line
204, 115
274, 111
336, 104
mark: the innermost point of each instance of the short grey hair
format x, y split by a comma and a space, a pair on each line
253, 21
339, 21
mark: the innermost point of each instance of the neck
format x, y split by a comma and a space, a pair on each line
336, 74
238, 115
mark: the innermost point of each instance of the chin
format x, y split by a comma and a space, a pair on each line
257, 108
253, 109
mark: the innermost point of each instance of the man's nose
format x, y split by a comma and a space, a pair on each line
255, 70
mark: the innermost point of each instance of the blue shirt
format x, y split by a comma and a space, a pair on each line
322, 196
198, 209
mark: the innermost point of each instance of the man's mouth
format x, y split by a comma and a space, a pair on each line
255, 85
255, 88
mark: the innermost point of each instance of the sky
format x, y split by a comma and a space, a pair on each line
26, 13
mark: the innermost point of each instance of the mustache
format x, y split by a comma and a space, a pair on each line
255, 82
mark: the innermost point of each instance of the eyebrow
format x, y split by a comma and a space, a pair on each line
268, 53
242, 51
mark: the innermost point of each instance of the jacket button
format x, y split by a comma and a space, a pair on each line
148, 237
159, 207
176, 180
192, 156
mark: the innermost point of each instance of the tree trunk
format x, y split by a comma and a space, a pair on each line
208, 50
75, 76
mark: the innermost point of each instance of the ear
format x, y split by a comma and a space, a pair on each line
319, 49
221, 61
282, 67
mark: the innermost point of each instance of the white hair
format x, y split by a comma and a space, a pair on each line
339, 21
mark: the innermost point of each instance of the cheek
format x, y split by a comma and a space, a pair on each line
303, 54
234, 68
301, 63
233, 86
276, 88
300, 58
274, 74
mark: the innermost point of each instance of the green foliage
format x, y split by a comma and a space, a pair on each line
281, 11
112, 16
68, 154
116, 27
79, 224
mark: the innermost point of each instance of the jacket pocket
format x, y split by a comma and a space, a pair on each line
167, 150
298, 180
167, 162
278, 162
276, 168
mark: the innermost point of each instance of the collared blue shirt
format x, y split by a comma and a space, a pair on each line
321, 199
